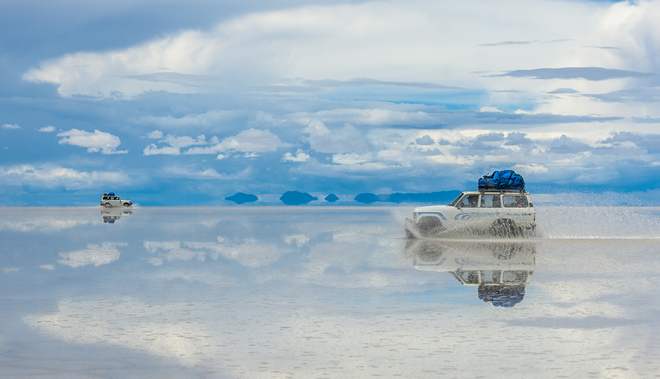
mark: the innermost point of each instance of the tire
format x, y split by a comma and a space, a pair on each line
429, 226
107, 205
127, 205
505, 228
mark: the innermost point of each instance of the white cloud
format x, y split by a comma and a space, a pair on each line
156, 134
412, 40
325, 140
249, 141
10, 126
106, 143
50, 176
47, 267
490, 109
191, 173
47, 129
300, 156
7, 270
210, 118
95, 255
373, 116
175, 144
300, 239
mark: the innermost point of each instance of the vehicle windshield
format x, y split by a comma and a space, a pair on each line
453, 203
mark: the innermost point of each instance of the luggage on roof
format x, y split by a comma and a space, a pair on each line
502, 180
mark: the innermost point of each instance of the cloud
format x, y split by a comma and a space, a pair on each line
566, 145
191, 173
364, 82
560, 91
341, 140
175, 144
8, 270
47, 129
10, 126
106, 143
632, 95
425, 140
156, 134
587, 73
249, 141
490, 109
51, 176
300, 156
95, 255
646, 141
210, 118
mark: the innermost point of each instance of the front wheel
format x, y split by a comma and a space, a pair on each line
127, 205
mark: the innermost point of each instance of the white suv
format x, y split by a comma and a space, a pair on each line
110, 200
503, 213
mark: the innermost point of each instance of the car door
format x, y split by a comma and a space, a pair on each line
490, 209
469, 209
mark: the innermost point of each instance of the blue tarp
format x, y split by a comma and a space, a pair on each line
502, 180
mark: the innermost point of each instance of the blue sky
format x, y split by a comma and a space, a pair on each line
186, 103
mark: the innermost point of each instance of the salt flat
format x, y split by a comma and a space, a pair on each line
323, 292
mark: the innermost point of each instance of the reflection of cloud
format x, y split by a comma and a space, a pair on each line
94, 254
128, 323
250, 253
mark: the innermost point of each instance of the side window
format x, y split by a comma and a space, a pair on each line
491, 201
470, 201
515, 201
469, 277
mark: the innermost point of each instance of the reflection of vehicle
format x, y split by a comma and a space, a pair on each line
503, 213
499, 270
112, 215
110, 200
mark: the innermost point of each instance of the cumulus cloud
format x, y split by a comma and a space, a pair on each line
10, 126
249, 141
300, 156
425, 140
646, 141
47, 129
209, 173
490, 109
95, 255
106, 143
51, 176
342, 140
566, 145
175, 144
156, 134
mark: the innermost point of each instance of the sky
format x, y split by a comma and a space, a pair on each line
186, 103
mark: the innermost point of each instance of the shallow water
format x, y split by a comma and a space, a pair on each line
324, 293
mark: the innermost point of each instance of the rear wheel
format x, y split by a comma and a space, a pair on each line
107, 205
505, 228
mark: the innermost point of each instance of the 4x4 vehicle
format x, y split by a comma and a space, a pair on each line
503, 213
110, 200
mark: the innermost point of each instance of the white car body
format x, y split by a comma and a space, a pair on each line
502, 212
111, 200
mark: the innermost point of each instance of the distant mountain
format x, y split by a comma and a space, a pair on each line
442, 197
240, 198
297, 198
331, 198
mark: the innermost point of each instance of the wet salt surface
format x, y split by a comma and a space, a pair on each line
324, 293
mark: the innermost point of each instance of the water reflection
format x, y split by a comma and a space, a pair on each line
111, 215
499, 270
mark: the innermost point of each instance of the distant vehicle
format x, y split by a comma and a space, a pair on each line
110, 200
500, 206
